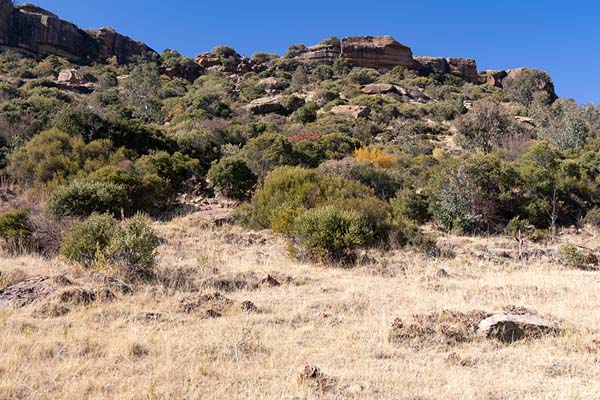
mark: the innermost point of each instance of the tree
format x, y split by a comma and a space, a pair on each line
232, 177
142, 89
485, 126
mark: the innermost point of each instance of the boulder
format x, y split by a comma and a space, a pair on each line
320, 54
464, 68
71, 77
379, 88
351, 111
512, 327
492, 77
265, 105
379, 52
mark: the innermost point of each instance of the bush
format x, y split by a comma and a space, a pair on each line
410, 205
89, 239
83, 197
232, 177
592, 217
575, 257
526, 84
375, 156
485, 126
267, 151
306, 114
332, 233
15, 230
100, 241
132, 250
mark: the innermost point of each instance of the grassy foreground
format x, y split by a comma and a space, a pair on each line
170, 340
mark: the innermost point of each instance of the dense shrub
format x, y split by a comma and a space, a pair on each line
526, 84
101, 241
232, 177
410, 205
15, 230
306, 114
83, 197
592, 217
576, 257
485, 126
89, 239
132, 250
332, 233
268, 151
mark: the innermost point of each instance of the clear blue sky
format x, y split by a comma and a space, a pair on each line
561, 37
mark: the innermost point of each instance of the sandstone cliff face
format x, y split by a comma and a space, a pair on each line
31, 29
321, 53
376, 52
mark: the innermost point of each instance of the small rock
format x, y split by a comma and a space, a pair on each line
442, 273
512, 327
249, 307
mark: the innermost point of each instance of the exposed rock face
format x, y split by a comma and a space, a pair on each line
379, 88
36, 31
113, 44
512, 327
492, 77
380, 52
321, 54
464, 68
265, 105
428, 65
543, 83
351, 111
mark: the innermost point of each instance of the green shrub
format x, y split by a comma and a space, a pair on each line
15, 230
363, 76
89, 239
575, 257
100, 241
132, 250
592, 217
299, 188
306, 114
83, 197
517, 226
268, 151
232, 177
332, 233
410, 205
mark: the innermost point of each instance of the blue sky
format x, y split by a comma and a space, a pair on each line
561, 37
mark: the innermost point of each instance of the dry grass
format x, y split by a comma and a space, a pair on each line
145, 345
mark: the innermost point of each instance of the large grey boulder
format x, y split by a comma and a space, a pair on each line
512, 327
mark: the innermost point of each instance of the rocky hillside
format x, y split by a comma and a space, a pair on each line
34, 30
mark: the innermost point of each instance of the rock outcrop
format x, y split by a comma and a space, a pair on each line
464, 68
492, 77
265, 105
33, 30
379, 52
321, 54
351, 111
71, 77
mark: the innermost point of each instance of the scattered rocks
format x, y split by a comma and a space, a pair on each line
509, 328
30, 290
249, 307
354, 112
446, 327
212, 305
242, 281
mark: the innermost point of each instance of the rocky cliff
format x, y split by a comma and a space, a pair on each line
31, 29
376, 52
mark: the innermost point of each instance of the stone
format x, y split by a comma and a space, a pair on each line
379, 52
321, 54
512, 327
464, 68
351, 111
265, 105
272, 84
33, 30
379, 88
71, 77
493, 77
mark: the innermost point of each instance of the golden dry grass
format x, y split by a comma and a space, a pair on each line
142, 346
